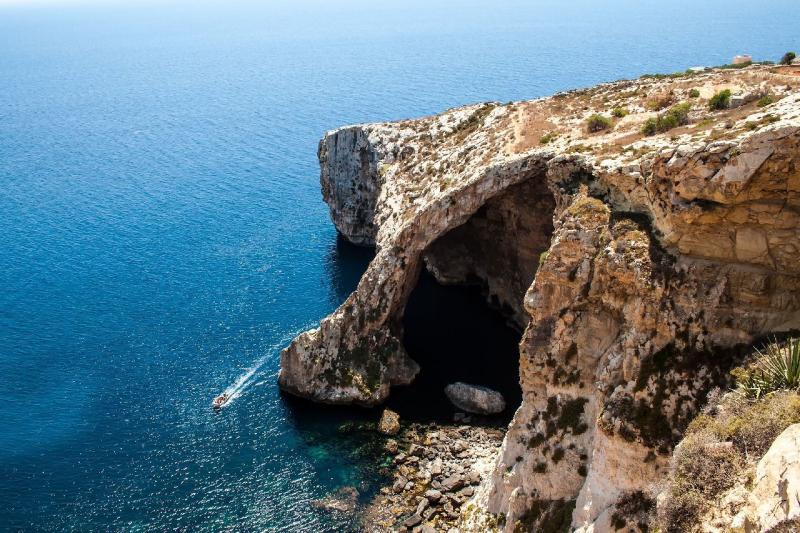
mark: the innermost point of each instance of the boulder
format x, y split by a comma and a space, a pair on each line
423, 504
738, 100
389, 423
436, 466
475, 399
343, 500
433, 495
413, 520
399, 484
452, 483
775, 497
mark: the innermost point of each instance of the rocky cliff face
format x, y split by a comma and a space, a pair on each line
636, 266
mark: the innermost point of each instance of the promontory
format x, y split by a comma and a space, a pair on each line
645, 235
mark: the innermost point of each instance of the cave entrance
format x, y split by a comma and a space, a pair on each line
464, 319
454, 335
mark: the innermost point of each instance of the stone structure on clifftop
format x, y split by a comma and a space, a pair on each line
637, 266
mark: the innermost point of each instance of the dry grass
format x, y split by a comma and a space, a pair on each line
721, 449
723, 445
660, 101
702, 468
561, 122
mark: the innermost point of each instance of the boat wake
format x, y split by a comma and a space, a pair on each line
242, 382
246, 380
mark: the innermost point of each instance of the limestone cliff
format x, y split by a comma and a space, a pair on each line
635, 264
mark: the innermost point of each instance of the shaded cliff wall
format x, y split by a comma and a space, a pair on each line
499, 247
350, 182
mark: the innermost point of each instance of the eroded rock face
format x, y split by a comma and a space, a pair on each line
636, 265
499, 247
350, 182
355, 356
775, 497
475, 399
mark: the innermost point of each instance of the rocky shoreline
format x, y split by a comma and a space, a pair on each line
642, 233
436, 470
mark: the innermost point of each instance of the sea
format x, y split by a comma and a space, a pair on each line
163, 236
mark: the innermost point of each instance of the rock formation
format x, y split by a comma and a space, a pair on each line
475, 399
775, 497
637, 266
389, 424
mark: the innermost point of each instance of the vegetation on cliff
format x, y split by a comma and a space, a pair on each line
722, 445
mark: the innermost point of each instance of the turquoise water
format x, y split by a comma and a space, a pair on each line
162, 234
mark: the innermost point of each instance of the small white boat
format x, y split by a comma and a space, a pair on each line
220, 400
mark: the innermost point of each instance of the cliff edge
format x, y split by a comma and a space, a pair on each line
641, 232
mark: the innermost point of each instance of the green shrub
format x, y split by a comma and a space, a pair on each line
474, 121
777, 367
787, 58
722, 446
548, 137
677, 115
678, 512
730, 66
680, 113
765, 100
543, 257
721, 100
558, 454
671, 76
694, 93
619, 112
597, 123
753, 425
632, 507
650, 127
579, 148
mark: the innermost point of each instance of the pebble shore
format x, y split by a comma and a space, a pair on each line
435, 470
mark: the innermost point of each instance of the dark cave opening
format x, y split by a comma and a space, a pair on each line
454, 335
464, 319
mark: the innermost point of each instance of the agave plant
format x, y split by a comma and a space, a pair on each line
777, 367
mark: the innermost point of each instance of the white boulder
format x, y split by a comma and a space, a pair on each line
475, 399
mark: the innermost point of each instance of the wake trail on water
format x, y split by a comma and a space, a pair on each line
244, 381
238, 387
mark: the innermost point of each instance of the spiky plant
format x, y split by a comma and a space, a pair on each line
777, 367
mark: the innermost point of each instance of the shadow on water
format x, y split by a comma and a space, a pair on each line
345, 263
455, 335
346, 450
451, 332
342, 442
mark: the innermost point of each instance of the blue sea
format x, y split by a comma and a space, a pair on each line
162, 234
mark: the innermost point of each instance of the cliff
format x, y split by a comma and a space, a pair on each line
639, 257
